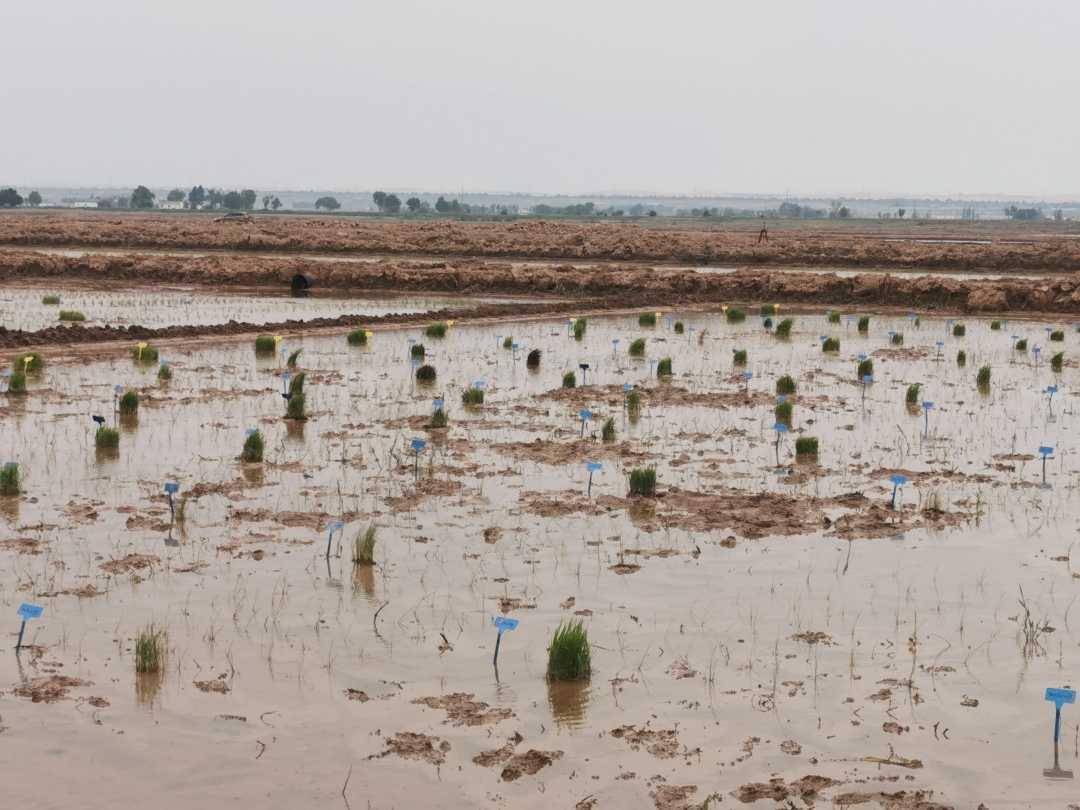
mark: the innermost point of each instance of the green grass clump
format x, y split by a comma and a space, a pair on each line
1058, 336
264, 344
739, 356
164, 373
959, 330
438, 419
961, 358
425, 373
830, 344
833, 317
647, 319
767, 310
663, 368
579, 328
364, 547
293, 358
30, 363
417, 350
864, 323
1021, 345
569, 380
436, 330
783, 329
533, 360
71, 315
637, 348
897, 339
150, 649
785, 385
633, 401
865, 367
17, 382
982, 379
568, 656
643, 482
50, 300
508, 342
129, 402
357, 337
9, 479
253, 448
296, 384
735, 315
806, 447
296, 408
783, 412
1057, 361
472, 396
607, 433
912, 396
147, 355
995, 325
679, 327
107, 438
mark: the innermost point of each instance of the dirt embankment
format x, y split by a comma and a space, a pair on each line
1000, 247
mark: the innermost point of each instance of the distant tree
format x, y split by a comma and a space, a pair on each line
215, 197
413, 204
1012, 212
1058, 213
233, 200
176, 195
379, 198
10, 198
196, 197
652, 213
34, 198
275, 203
142, 197
247, 199
391, 204
105, 202
900, 212
266, 201
329, 203
441, 205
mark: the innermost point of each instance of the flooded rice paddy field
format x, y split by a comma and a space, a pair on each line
116, 304
764, 633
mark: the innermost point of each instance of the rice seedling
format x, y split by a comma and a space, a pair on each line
783, 412
806, 447
569, 380
438, 419
357, 337
607, 433
735, 315
1057, 361
144, 354
129, 402
508, 342
253, 448
833, 317
472, 396
959, 330
264, 344
961, 358
436, 330
293, 358
425, 374
579, 328
739, 356
785, 385
29, 363
296, 384
864, 323
864, 369
569, 658
72, 315
417, 350
982, 378
533, 360
783, 329
164, 373
643, 482
17, 382
107, 438
50, 300
897, 339
364, 547
637, 348
912, 396
995, 325
1058, 336
1021, 345
9, 479
767, 310
679, 328
647, 319
663, 368
633, 401
295, 410
150, 646
830, 344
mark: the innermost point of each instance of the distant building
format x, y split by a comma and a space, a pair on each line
171, 205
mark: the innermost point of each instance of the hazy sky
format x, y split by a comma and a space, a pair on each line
940, 96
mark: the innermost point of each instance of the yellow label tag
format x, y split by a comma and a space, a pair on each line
449, 323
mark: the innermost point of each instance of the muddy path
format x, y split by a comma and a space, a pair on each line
998, 247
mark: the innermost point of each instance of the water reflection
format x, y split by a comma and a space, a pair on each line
569, 701
363, 581
148, 688
9, 508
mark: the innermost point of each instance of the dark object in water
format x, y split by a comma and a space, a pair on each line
302, 283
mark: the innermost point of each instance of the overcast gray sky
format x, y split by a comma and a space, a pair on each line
828, 96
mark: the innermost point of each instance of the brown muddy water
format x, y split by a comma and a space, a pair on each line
765, 632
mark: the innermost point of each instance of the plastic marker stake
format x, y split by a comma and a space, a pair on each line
171, 488
437, 404
99, 419
747, 375
584, 369
1059, 697
502, 624
251, 431
1050, 391
866, 380
27, 612
897, 482
614, 345
780, 429
1045, 452
418, 446
927, 407
142, 345
585, 415
336, 526
592, 466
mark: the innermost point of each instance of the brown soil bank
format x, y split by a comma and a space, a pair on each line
611, 285
1002, 247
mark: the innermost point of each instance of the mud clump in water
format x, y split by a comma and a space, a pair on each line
776, 789
462, 710
661, 743
48, 689
410, 745
129, 564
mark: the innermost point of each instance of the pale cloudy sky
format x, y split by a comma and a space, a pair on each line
939, 96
